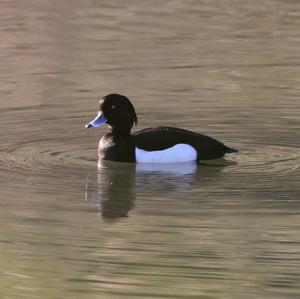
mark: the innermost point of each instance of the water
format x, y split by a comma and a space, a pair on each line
229, 69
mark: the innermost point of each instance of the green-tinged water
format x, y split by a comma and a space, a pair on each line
229, 69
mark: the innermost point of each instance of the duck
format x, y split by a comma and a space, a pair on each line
160, 144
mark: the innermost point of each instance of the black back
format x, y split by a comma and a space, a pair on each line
160, 138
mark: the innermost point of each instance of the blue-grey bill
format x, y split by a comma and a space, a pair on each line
97, 122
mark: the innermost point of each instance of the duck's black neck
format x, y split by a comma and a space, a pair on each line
120, 131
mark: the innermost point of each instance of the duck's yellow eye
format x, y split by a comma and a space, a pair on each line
113, 107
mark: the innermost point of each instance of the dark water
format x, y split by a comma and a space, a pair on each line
229, 69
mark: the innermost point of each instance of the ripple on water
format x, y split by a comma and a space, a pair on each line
54, 165
260, 158
42, 156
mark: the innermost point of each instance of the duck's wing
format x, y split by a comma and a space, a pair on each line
161, 138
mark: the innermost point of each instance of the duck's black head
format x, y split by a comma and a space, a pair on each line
117, 111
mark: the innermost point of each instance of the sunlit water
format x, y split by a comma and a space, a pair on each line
229, 69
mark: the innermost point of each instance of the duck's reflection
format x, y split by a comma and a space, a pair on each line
175, 169
116, 185
115, 191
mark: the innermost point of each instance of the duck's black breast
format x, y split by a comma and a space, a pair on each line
160, 138
117, 148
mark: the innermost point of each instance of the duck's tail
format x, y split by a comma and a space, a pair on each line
231, 150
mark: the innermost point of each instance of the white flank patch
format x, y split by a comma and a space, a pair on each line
178, 153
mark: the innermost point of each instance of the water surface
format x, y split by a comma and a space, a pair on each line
229, 69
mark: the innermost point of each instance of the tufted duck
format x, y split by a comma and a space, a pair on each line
151, 145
